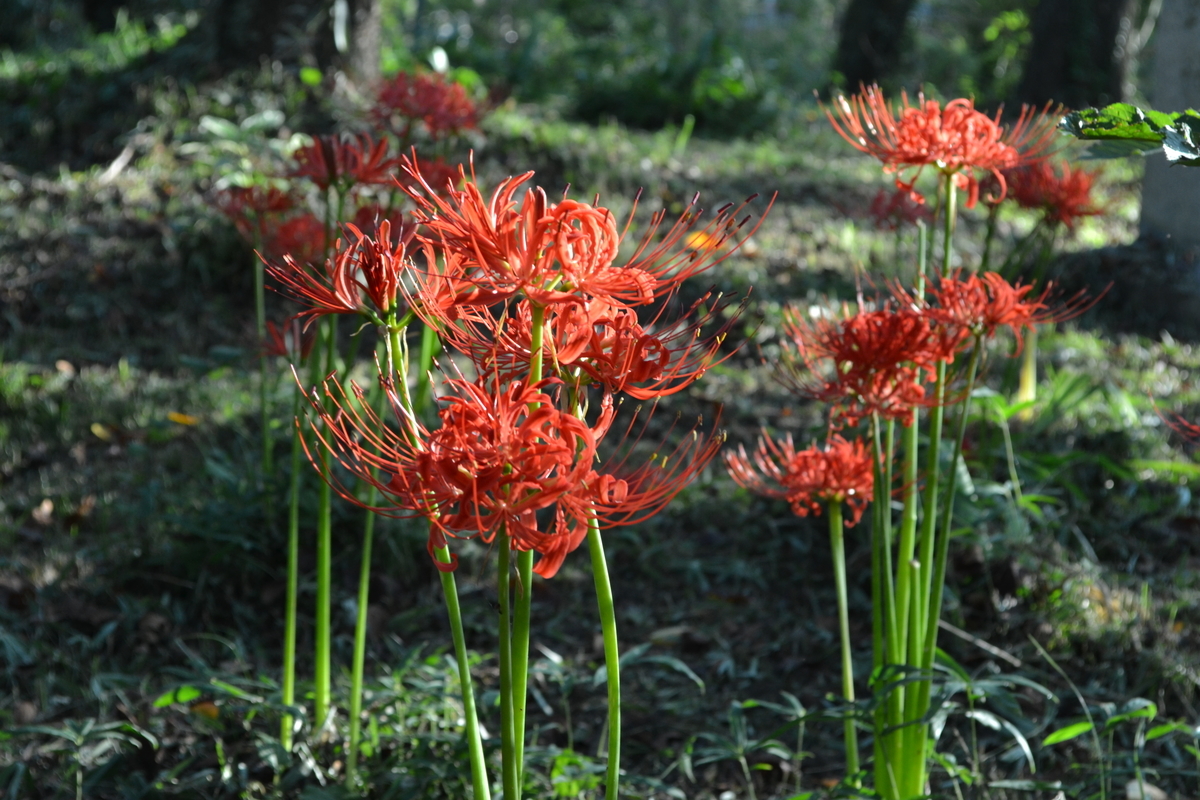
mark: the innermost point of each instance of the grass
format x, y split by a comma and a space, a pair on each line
141, 582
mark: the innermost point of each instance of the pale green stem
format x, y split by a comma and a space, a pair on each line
322, 669
524, 598
293, 580
612, 657
511, 773
837, 546
479, 779
429, 348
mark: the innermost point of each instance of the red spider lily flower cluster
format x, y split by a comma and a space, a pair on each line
873, 362
249, 207
840, 472
955, 139
512, 450
978, 305
896, 209
565, 252
344, 161
1063, 195
441, 105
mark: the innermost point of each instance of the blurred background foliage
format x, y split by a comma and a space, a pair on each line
80, 78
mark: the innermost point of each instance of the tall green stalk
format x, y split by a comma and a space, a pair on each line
524, 598
479, 778
837, 546
293, 580
612, 657
511, 773
323, 667
360, 642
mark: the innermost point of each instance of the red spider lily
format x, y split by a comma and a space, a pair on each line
289, 340
955, 139
344, 161
979, 304
497, 460
896, 209
245, 206
594, 342
443, 106
1063, 198
878, 360
840, 472
370, 266
561, 252
301, 237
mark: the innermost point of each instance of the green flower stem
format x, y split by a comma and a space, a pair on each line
949, 221
507, 731
322, 668
360, 622
612, 656
986, 261
430, 344
938, 577
360, 641
293, 580
524, 598
479, 778
836, 531
883, 605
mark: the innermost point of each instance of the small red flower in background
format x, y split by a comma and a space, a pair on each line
443, 106
840, 472
248, 207
436, 173
892, 210
302, 237
1063, 195
344, 160
877, 361
955, 139
979, 304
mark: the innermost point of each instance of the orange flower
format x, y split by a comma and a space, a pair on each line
344, 161
840, 472
876, 361
1063, 198
955, 139
425, 97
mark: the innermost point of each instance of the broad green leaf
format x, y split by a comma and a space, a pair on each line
184, 694
310, 76
1158, 731
1067, 733
997, 723
1117, 121
1180, 141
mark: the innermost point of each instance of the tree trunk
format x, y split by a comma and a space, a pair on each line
1171, 195
1079, 56
869, 45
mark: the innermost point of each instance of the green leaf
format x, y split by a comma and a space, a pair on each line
310, 76
184, 694
1067, 733
1121, 121
1137, 708
1027, 786
1159, 731
1180, 142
